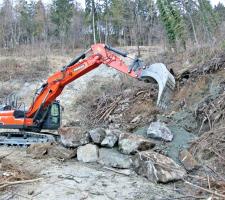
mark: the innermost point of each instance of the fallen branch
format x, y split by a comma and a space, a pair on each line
109, 110
6, 184
117, 171
206, 190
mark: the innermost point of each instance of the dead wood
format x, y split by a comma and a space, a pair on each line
6, 184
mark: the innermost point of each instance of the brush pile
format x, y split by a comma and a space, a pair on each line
118, 104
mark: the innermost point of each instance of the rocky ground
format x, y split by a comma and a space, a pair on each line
76, 180
121, 146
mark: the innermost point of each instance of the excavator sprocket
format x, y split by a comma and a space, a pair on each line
24, 139
166, 82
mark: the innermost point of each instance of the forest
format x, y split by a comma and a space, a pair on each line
177, 24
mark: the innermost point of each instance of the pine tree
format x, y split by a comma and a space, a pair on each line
220, 10
173, 22
208, 17
61, 15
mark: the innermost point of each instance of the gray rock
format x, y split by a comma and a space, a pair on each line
109, 141
130, 144
158, 130
111, 138
182, 139
157, 167
87, 153
112, 158
97, 135
186, 119
73, 136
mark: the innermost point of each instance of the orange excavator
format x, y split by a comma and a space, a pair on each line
45, 111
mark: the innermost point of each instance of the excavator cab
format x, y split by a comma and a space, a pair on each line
53, 118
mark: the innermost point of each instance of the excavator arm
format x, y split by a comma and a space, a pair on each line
37, 116
100, 54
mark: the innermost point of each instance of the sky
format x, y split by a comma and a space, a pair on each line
82, 2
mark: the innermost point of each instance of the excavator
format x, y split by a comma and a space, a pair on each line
45, 111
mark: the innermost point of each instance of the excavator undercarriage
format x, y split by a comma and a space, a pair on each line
45, 111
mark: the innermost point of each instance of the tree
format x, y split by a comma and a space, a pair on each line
77, 28
25, 22
61, 15
208, 17
190, 9
39, 21
7, 25
92, 12
173, 23
220, 10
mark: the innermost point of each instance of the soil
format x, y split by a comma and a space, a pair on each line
76, 180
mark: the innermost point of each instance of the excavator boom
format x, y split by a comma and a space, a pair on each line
39, 116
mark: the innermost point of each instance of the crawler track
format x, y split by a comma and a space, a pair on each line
25, 139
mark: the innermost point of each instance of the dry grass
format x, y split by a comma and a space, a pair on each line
194, 57
14, 69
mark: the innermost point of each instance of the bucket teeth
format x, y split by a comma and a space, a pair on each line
165, 80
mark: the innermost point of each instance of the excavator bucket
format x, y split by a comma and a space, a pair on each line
165, 80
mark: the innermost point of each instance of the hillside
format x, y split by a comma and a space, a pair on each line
195, 117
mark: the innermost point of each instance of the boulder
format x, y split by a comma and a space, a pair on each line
158, 130
130, 144
61, 152
157, 167
112, 158
73, 136
187, 160
111, 138
97, 135
50, 150
38, 150
87, 153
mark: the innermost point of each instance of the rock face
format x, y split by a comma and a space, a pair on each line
87, 153
111, 138
188, 160
73, 136
130, 144
97, 135
112, 158
158, 130
50, 150
157, 167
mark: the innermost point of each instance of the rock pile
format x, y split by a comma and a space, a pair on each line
122, 150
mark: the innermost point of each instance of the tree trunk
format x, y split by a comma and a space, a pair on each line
93, 21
